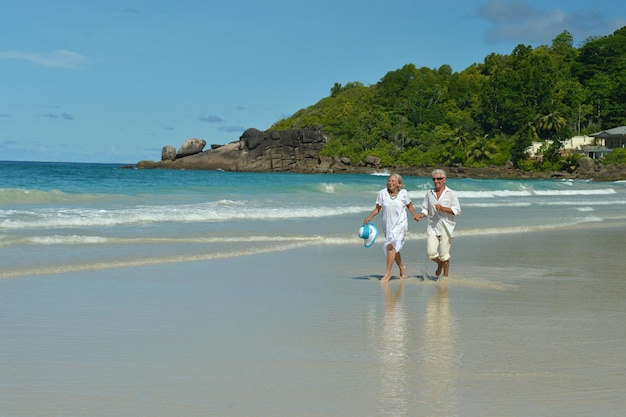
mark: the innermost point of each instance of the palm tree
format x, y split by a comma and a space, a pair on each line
481, 151
551, 123
456, 148
460, 139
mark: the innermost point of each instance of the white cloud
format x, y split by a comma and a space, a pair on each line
211, 119
519, 21
58, 58
63, 116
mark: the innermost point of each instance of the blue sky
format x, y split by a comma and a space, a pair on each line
115, 81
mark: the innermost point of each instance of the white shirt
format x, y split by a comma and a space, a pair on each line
440, 222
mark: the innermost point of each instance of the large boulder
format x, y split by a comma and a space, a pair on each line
282, 150
373, 161
168, 153
586, 165
191, 147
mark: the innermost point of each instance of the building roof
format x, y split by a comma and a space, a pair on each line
611, 133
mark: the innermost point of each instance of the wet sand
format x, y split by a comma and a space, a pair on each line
528, 324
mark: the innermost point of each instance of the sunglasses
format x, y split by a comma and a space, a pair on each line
438, 179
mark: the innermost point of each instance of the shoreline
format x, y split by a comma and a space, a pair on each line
603, 173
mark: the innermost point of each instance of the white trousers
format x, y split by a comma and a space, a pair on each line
438, 247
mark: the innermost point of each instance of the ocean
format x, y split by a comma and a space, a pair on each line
194, 293
62, 217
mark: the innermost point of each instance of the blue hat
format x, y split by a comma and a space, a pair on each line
368, 233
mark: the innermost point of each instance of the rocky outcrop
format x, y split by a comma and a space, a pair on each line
271, 150
610, 173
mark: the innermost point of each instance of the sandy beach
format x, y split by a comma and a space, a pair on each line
528, 324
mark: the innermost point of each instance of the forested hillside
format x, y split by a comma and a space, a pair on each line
485, 115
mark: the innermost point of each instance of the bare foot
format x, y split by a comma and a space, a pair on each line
439, 269
402, 271
386, 278
446, 268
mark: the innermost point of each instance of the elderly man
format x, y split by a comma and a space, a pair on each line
441, 205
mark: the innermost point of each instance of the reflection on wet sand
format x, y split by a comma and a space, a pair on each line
393, 354
418, 356
440, 359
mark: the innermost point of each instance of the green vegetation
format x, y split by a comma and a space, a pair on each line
617, 157
486, 115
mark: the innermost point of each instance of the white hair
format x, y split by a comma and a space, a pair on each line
439, 172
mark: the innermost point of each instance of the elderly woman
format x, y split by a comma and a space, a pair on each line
393, 202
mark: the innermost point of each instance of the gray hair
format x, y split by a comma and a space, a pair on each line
439, 172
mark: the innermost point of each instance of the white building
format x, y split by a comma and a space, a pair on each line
597, 145
574, 144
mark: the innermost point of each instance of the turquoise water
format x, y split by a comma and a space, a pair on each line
62, 217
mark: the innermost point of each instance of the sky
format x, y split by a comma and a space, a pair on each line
116, 81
